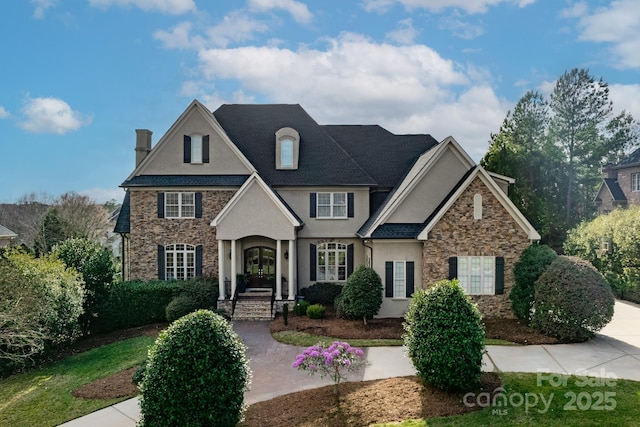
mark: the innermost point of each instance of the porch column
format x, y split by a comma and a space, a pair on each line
234, 268
279, 269
292, 263
221, 274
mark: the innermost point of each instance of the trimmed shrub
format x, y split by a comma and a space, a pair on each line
195, 294
324, 293
573, 300
180, 306
316, 311
135, 303
444, 336
532, 263
196, 374
361, 296
300, 308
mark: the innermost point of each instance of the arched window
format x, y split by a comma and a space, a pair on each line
287, 148
180, 261
332, 262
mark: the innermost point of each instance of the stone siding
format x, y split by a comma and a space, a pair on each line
148, 231
458, 234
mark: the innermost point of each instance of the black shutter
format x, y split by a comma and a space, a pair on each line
388, 279
349, 259
453, 268
198, 200
499, 275
161, 270
350, 208
187, 149
313, 262
312, 205
409, 282
160, 205
199, 261
205, 149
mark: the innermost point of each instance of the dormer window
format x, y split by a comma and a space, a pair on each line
287, 148
196, 149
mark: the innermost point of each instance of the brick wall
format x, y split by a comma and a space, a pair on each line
148, 231
458, 234
624, 180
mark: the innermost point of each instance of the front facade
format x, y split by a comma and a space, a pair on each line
620, 185
261, 196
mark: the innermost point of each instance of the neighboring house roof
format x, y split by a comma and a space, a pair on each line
5, 232
322, 160
123, 224
185, 181
631, 160
614, 189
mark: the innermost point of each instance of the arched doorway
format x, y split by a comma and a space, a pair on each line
260, 267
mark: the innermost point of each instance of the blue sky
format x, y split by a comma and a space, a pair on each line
79, 76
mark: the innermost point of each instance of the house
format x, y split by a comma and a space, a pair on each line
265, 193
7, 237
620, 185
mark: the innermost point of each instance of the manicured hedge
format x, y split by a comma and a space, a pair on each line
135, 303
324, 293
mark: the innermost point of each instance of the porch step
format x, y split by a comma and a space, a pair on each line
253, 308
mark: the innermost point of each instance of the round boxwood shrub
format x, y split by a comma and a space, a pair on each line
324, 293
361, 296
444, 336
180, 306
532, 263
316, 311
196, 374
573, 300
300, 308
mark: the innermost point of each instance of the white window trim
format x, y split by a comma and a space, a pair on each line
635, 182
403, 294
465, 276
332, 205
180, 251
181, 204
322, 271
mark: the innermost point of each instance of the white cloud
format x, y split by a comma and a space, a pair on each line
298, 11
41, 7
179, 37
103, 195
460, 28
407, 89
406, 34
170, 7
50, 115
3, 113
616, 25
235, 27
626, 97
469, 6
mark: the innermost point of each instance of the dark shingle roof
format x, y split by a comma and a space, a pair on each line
123, 224
614, 188
185, 180
632, 159
398, 231
382, 154
322, 161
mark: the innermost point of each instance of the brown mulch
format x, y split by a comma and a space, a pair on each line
359, 403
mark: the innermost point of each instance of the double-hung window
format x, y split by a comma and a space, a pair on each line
179, 205
477, 274
399, 279
332, 262
180, 262
332, 205
635, 182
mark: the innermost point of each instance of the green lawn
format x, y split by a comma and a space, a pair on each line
42, 397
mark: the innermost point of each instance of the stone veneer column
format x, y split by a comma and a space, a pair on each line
279, 270
292, 263
221, 273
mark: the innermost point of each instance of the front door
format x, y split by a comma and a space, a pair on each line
260, 267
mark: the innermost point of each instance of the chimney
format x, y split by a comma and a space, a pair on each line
143, 144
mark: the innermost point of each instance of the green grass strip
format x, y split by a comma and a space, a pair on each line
42, 397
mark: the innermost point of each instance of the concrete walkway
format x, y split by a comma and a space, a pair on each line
615, 352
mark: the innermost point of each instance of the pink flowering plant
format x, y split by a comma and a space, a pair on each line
335, 361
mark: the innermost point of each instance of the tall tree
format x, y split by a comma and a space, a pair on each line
581, 110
